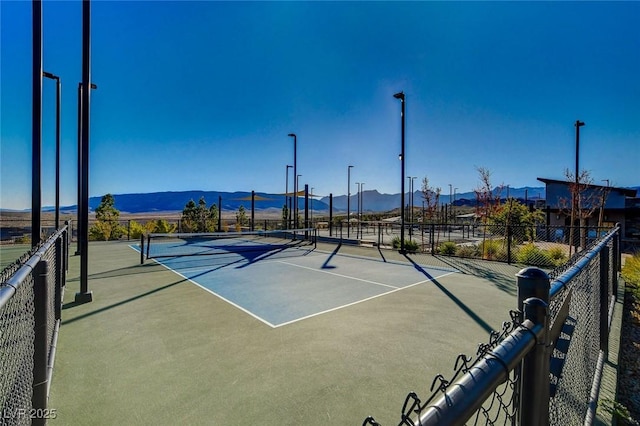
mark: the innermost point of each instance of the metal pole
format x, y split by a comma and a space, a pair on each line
401, 96
253, 209
79, 202
604, 298
295, 173
306, 211
574, 197
219, 213
58, 101
286, 200
41, 341
36, 125
85, 295
534, 383
330, 214
348, 199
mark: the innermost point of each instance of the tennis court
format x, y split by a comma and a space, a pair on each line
280, 282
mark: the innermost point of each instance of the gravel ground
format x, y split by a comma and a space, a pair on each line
629, 376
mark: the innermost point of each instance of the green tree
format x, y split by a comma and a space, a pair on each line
107, 226
285, 216
199, 218
190, 217
241, 217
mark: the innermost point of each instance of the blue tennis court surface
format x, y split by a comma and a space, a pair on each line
281, 286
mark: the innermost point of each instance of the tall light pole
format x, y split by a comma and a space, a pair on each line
574, 197
402, 159
348, 199
36, 124
80, 166
85, 295
58, 94
295, 173
286, 199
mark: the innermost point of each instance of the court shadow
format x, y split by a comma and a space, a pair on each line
475, 317
114, 305
326, 265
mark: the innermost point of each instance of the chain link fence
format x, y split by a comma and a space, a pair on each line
545, 365
30, 303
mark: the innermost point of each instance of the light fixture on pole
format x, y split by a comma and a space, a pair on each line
401, 96
58, 94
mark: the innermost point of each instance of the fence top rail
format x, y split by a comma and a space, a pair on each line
559, 283
8, 288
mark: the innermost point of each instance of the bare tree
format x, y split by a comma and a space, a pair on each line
585, 199
488, 199
431, 197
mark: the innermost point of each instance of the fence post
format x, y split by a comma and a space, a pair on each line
532, 282
616, 259
534, 372
604, 298
60, 278
509, 238
41, 341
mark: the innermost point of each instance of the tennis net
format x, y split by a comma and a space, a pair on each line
212, 243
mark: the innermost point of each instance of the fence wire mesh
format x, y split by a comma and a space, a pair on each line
18, 317
16, 355
574, 358
499, 409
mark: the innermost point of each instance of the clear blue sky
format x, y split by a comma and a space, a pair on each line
202, 95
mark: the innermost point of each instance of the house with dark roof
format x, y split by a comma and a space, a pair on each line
621, 205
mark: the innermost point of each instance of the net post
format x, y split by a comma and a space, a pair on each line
142, 248
330, 214
148, 244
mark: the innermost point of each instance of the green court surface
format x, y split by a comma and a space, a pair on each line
159, 347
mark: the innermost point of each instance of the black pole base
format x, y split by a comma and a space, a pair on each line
83, 298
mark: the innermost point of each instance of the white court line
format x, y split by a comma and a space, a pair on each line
264, 321
359, 301
394, 289
337, 275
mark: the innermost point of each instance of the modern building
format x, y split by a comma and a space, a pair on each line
620, 205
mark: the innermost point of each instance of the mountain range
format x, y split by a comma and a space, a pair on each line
372, 200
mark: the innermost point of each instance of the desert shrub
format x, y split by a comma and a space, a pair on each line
492, 250
448, 248
409, 245
530, 254
467, 251
136, 230
631, 270
557, 255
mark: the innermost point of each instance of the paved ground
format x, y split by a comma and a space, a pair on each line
153, 348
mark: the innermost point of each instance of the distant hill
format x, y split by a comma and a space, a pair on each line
175, 201
373, 201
